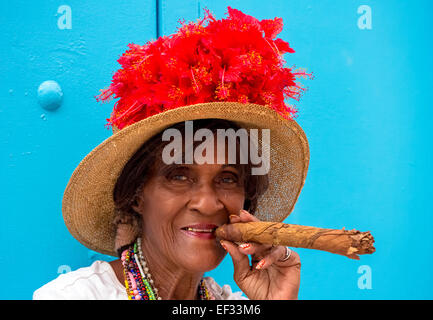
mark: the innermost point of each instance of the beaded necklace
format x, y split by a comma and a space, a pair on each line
138, 280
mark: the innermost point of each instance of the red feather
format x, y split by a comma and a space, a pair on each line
232, 59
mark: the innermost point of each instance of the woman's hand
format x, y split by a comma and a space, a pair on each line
268, 277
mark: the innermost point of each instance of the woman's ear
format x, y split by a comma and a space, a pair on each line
137, 201
127, 229
137, 205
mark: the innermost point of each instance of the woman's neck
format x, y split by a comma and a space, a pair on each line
172, 281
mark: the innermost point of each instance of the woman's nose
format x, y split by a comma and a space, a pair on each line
205, 199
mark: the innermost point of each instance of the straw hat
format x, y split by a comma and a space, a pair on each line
145, 108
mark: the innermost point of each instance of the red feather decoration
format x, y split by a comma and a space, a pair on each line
232, 59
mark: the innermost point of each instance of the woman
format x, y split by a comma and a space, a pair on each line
165, 214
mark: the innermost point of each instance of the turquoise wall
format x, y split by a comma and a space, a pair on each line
366, 114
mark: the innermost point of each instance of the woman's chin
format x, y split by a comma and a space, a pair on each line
202, 262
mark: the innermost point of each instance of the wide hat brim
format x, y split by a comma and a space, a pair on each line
88, 206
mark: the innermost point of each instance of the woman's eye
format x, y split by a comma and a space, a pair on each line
179, 177
229, 179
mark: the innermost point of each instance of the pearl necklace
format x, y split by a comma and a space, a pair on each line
143, 267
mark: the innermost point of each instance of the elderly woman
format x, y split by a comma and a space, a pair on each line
159, 218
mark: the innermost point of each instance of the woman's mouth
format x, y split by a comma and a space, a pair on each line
201, 230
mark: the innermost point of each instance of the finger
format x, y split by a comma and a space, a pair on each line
227, 232
254, 248
247, 248
234, 218
241, 263
293, 260
245, 216
272, 257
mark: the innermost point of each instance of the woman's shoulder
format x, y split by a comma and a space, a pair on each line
222, 293
98, 281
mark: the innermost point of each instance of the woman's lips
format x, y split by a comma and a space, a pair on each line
200, 230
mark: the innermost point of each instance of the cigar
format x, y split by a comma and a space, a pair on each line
349, 243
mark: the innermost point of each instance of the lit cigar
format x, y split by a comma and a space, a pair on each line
349, 243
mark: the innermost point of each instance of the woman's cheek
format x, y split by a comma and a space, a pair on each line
168, 245
233, 200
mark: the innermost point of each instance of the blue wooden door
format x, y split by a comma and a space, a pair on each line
76, 44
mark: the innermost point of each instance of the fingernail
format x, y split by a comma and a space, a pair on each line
244, 211
245, 245
222, 245
260, 264
233, 216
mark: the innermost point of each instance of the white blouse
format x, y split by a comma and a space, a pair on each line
99, 282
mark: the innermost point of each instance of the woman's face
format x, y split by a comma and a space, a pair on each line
182, 205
